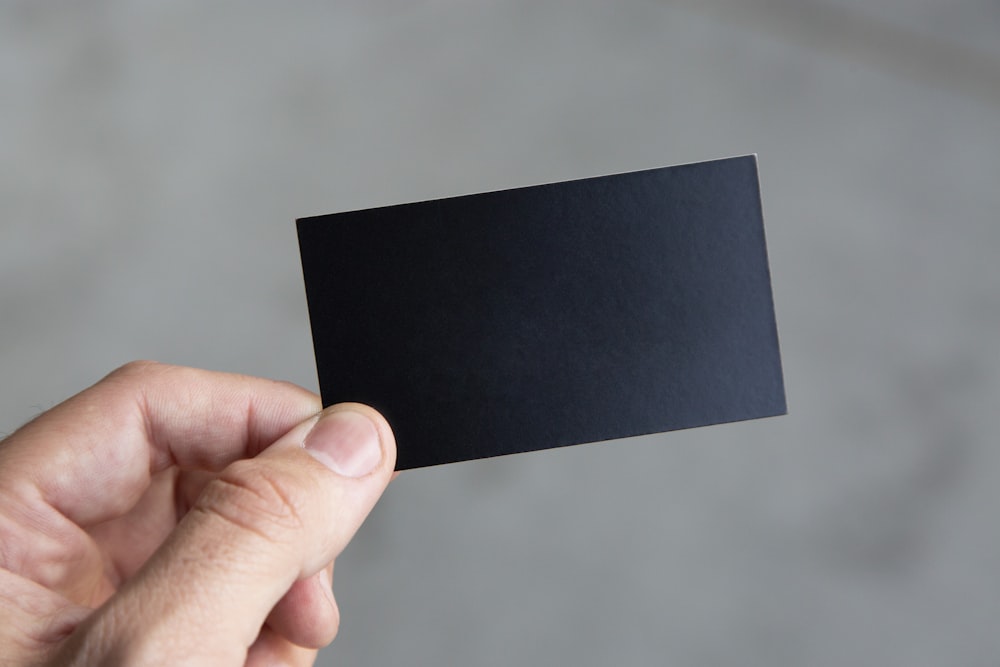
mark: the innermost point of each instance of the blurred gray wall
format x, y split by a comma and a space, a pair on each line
153, 157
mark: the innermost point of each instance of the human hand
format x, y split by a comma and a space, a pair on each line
169, 515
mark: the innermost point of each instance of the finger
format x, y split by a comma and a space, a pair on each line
307, 615
261, 526
91, 457
272, 649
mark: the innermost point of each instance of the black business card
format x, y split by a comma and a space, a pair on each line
550, 315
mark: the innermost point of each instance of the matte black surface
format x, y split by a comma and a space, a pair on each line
550, 315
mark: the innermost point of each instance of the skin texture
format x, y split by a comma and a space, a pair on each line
169, 515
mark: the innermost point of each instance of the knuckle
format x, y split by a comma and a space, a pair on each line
256, 498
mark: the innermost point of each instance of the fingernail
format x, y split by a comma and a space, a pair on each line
346, 442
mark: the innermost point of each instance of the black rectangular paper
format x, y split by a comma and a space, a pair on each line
550, 315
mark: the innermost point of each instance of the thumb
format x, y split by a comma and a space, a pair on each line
263, 524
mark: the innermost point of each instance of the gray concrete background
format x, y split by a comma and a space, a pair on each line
153, 157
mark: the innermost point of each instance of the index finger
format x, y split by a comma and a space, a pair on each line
91, 457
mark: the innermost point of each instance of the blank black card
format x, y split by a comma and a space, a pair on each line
551, 315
